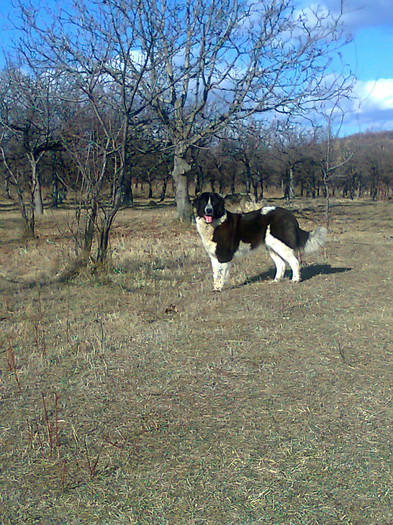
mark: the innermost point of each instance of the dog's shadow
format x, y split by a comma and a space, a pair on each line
306, 273
321, 269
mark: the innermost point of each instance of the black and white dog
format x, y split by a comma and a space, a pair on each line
227, 235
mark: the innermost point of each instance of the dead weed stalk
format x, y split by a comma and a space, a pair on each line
12, 364
92, 464
49, 438
39, 330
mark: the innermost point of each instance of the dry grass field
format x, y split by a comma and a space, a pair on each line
141, 397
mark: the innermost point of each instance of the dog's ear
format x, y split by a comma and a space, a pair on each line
222, 206
195, 201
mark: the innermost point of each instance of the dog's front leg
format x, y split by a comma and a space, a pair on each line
220, 273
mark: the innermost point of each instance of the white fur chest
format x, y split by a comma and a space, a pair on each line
206, 231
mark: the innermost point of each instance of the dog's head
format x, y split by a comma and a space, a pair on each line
209, 206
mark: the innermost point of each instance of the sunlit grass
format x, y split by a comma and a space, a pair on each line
139, 396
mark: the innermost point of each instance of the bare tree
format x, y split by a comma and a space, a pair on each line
334, 153
216, 62
90, 48
292, 152
28, 120
250, 150
224, 157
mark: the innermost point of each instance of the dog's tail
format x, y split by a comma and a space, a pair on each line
315, 240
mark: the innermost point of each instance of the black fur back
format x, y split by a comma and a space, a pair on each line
285, 227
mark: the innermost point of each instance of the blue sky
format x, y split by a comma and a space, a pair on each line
369, 55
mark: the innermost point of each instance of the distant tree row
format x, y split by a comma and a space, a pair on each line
75, 158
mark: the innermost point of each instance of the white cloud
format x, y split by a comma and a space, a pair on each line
372, 110
362, 13
375, 94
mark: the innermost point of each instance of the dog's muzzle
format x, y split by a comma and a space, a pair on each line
208, 214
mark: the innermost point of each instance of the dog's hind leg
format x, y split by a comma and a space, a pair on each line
293, 262
280, 264
284, 252
220, 273
288, 255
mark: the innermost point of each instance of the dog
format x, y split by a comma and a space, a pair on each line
226, 235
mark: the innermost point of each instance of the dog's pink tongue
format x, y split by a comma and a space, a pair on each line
208, 218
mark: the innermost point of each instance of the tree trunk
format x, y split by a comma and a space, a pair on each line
38, 205
7, 187
289, 187
55, 190
128, 197
255, 188
29, 220
102, 250
197, 181
163, 189
27, 211
262, 194
30, 228
179, 174
359, 189
103, 245
150, 194
89, 231
374, 184
36, 189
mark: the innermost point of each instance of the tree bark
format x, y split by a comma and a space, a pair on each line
102, 251
37, 193
163, 189
29, 221
89, 231
179, 174
36, 183
289, 187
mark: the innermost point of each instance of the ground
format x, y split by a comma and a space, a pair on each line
139, 396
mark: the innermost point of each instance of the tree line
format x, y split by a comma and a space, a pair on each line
96, 95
